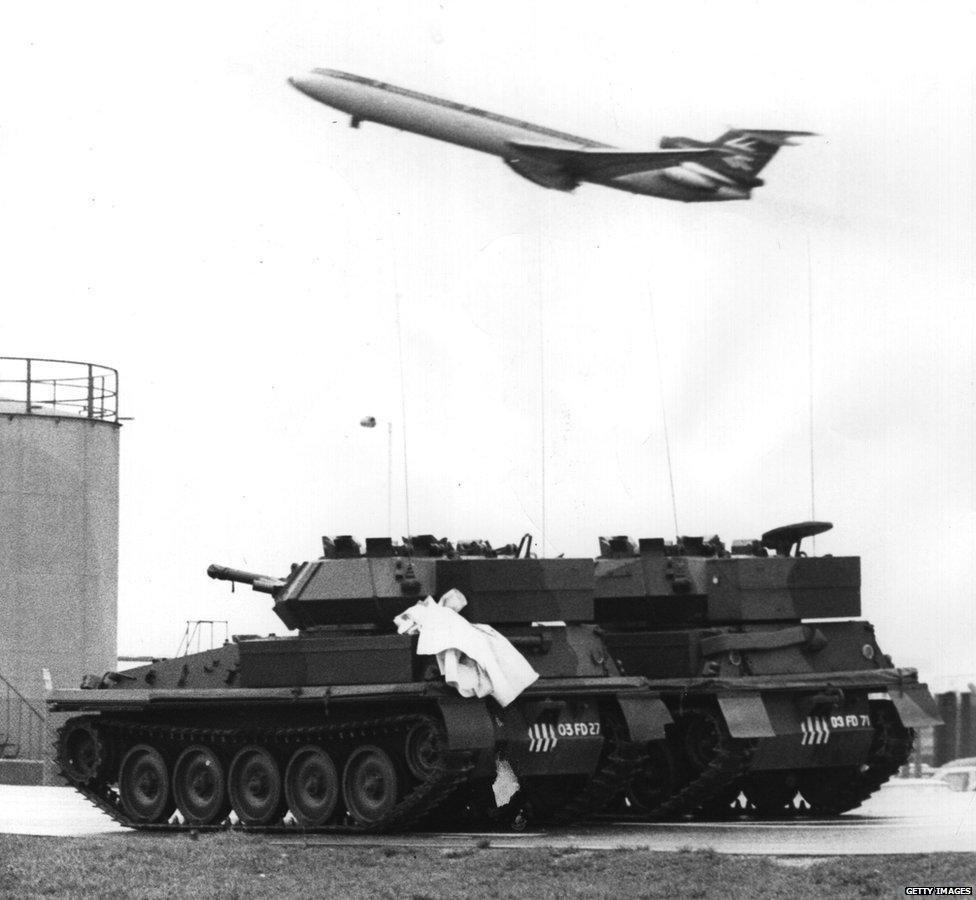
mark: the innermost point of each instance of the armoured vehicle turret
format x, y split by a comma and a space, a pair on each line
344, 727
781, 699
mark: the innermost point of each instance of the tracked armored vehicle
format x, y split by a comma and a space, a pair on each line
782, 701
343, 727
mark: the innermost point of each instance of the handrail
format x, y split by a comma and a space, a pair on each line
23, 727
58, 387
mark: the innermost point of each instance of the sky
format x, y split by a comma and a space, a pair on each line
169, 206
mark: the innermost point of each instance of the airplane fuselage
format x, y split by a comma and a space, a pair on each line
365, 99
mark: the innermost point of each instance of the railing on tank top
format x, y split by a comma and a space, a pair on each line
58, 387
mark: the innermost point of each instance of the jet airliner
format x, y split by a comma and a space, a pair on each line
682, 169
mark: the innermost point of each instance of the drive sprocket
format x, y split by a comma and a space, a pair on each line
83, 752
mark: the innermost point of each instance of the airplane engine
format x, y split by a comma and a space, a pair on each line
688, 178
680, 143
543, 174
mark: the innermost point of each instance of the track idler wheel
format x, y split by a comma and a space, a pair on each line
144, 789
311, 786
200, 786
255, 787
892, 744
424, 750
82, 753
369, 785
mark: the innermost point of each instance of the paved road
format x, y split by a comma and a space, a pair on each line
900, 819
53, 811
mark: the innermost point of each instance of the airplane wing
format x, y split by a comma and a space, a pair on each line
608, 163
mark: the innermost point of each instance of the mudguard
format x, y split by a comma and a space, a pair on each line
468, 723
914, 704
746, 716
645, 717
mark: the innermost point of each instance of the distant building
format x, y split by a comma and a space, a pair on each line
59, 533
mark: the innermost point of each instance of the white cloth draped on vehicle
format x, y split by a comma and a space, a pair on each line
473, 658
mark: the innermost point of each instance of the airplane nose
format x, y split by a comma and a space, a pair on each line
306, 84
324, 87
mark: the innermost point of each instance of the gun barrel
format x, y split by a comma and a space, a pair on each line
263, 583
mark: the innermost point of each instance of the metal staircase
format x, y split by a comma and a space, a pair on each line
23, 727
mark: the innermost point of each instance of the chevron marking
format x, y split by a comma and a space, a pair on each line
542, 738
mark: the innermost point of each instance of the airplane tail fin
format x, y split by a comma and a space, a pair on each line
747, 151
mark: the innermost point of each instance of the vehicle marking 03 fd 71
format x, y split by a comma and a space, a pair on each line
817, 729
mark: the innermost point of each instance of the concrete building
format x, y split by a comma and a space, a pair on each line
59, 528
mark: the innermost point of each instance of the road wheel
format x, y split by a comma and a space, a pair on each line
657, 780
144, 786
424, 750
369, 785
311, 786
200, 786
255, 788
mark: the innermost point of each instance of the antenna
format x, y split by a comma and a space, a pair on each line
194, 634
542, 414
813, 505
664, 416
403, 415
403, 396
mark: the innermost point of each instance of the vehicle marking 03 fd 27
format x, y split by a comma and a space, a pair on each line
543, 738
578, 729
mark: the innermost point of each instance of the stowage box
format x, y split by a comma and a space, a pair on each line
327, 659
699, 590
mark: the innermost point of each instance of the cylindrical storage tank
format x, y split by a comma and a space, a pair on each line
59, 515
